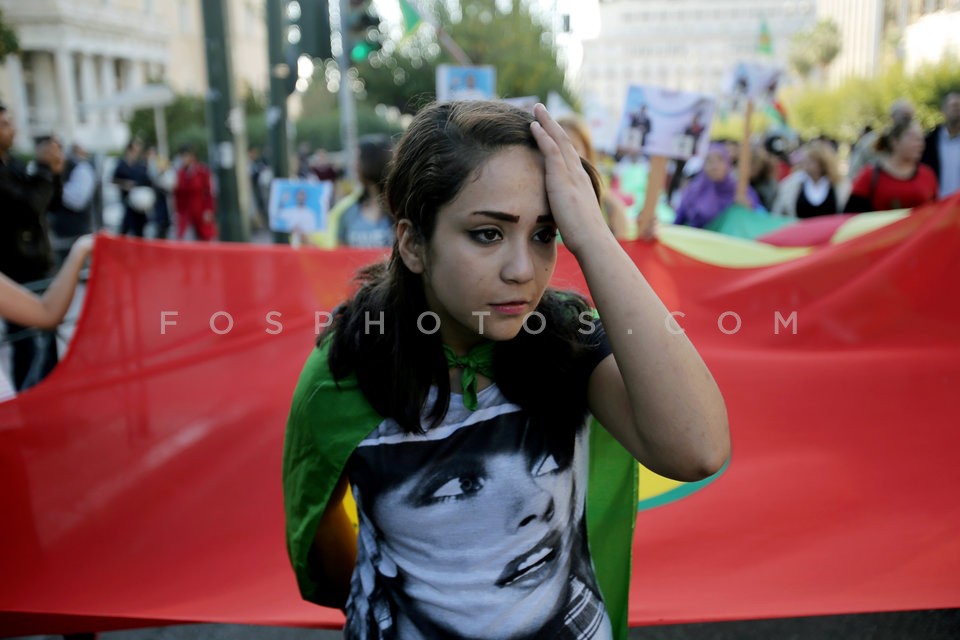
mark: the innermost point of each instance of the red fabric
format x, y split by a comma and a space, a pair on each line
894, 193
783, 169
194, 202
141, 480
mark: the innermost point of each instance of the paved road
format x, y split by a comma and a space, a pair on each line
913, 625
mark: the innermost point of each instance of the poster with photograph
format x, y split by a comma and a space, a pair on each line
466, 83
299, 206
663, 122
755, 82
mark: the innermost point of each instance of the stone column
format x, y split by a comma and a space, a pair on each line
88, 89
45, 110
66, 94
18, 102
134, 75
108, 87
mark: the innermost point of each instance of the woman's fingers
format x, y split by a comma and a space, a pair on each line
557, 136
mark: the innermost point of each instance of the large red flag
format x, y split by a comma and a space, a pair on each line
141, 480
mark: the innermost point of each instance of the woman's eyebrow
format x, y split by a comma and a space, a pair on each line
498, 215
507, 217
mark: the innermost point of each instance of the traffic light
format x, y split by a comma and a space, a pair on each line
363, 30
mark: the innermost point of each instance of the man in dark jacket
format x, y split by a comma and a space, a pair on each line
25, 253
942, 150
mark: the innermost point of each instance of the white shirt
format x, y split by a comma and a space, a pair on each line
949, 149
816, 191
302, 219
6, 387
78, 190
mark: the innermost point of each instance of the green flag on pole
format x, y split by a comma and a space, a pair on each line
764, 40
411, 17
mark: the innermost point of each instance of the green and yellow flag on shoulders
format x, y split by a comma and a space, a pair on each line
329, 418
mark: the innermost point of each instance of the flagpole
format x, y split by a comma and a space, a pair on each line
743, 162
656, 176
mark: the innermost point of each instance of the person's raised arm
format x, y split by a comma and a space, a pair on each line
654, 393
22, 306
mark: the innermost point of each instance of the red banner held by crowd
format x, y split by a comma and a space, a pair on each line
141, 480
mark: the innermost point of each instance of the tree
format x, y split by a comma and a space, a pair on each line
510, 38
825, 43
815, 48
843, 111
9, 43
186, 120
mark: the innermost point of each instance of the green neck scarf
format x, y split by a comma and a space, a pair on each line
478, 360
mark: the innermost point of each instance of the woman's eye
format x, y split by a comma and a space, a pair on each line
547, 465
457, 488
546, 235
485, 236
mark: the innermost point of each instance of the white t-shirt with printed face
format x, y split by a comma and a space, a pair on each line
475, 529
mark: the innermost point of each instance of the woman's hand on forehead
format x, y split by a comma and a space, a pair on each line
573, 201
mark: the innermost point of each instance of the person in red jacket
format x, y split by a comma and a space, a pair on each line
193, 197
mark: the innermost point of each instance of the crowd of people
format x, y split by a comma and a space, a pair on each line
896, 167
57, 197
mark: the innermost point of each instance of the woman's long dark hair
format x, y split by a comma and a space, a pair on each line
375, 335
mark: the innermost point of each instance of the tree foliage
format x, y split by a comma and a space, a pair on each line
510, 38
186, 121
9, 43
815, 48
842, 112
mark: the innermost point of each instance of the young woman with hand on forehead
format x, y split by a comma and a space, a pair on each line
452, 394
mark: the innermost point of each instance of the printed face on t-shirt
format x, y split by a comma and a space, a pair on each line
500, 514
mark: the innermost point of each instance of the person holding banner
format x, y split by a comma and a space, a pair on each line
19, 304
711, 191
452, 394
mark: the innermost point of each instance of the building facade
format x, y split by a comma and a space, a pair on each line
691, 45
687, 45
861, 27
79, 58
874, 33
932, 38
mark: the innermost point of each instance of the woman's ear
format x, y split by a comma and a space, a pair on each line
410, 245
